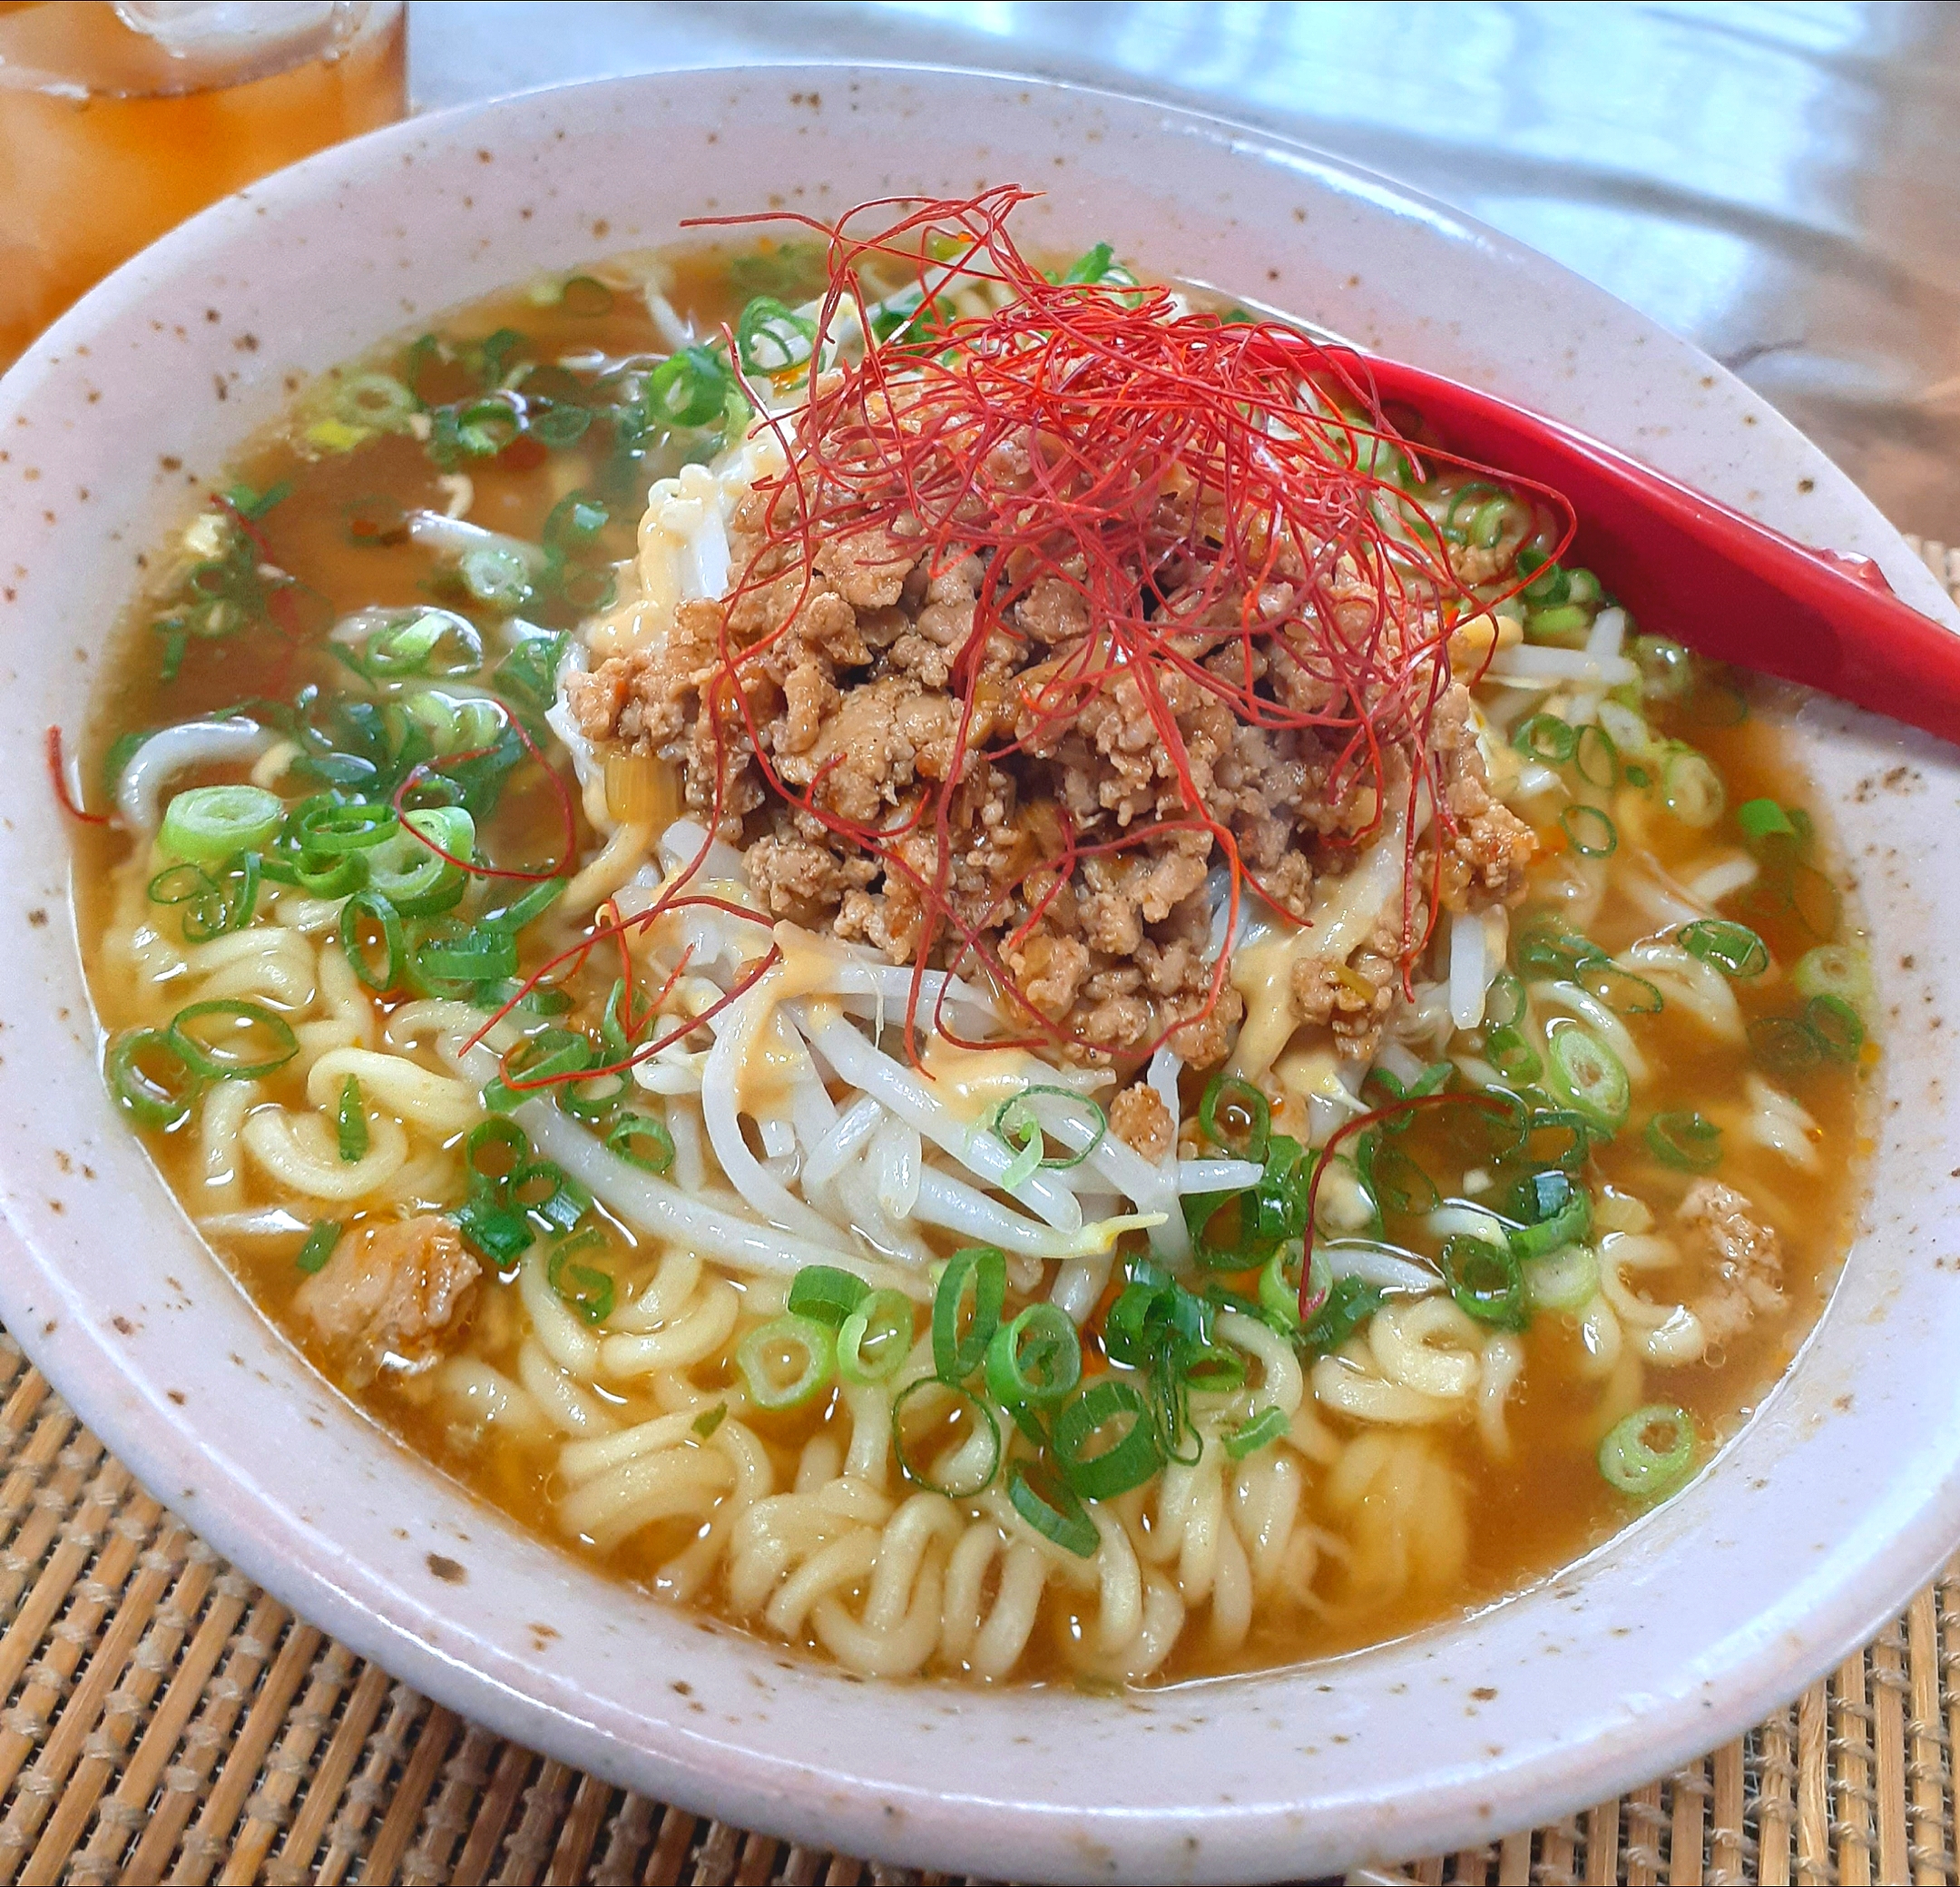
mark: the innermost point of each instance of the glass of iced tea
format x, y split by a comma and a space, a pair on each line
119, 120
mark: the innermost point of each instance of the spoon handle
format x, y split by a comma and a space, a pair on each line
1715, 579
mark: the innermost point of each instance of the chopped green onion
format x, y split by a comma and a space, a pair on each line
249, 1039
477, 956
373, 906
1248, 1139
1785, 1045
641, 1140
1036, 1360
1564, 1280
413, 876
983, 1417
582, 295
1620, 990
1667, 669
560, 1204
1590, 832
1634, 1463
1547, 740
787, 1362
1835, 969
559, 427
771, 339
1836, 1024
1053, 1512
956, 1357
1510, 1054
1503, 1002
533, 904
497, 574
208, 824
1548, 582
587, 1290
351, 1119
1278, 1289
319, 1246
1565, 623
375, 400
1264, 1429
500, 1233
827, 1293
1552, 1210
1597, 757
1685, 1141
709, 1421
1733, 949
689, 389
493, 1150
1764, 818
1014, 1122
333, 827
1588, 1076
1487, 1281
531, 670
874, 1340
1691, 790
1545, 949
152, 1079
1351, 1303
1127, 1462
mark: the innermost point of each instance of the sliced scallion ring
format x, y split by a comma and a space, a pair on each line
1247, 1140
1262, 1431
1685, 1141
1590, 832
787, 1362
1733, 949
1554, 1210
827, 1293
1035, 1361
1547, 740
150, 1079
1128, 1461
1836, 1024
225, 1039
1486, 1279
1589, 1077
1014, 1123
375, 909
581, 1287
956, 1355
641, 1140
350, 1120
874, 1340
1649, 1452
984, 1424
1564, 1280
209, 823
1831, 969
1052, 1511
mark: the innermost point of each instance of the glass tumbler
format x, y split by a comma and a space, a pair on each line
117, 121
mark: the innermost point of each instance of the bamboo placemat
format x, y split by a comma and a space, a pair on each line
162, 1719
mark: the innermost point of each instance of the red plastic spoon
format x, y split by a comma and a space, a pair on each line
1690, 567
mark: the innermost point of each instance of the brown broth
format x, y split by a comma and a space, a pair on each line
1533, 1513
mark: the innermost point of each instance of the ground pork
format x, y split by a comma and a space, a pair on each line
1139, 1118
981, 760
1744, 1257
393, 1292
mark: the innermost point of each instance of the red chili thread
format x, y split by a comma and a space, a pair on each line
1097, 437
58, 774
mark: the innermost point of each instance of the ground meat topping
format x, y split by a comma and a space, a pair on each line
392, 1293
1139, 1118
1745, 1256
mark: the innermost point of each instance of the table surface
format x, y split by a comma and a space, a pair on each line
1778, 183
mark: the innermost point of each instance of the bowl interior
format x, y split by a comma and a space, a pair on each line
1841, 1493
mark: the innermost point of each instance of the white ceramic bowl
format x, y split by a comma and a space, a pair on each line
1840, 1495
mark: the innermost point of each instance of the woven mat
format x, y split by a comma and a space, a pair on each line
164, 1719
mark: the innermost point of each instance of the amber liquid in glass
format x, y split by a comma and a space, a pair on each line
101, 153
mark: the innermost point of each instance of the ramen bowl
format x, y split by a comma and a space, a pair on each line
1839, 1494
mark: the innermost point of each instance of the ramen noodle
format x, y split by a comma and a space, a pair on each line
957, 960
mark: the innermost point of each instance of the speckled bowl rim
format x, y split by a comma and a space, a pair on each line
1840, 1495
